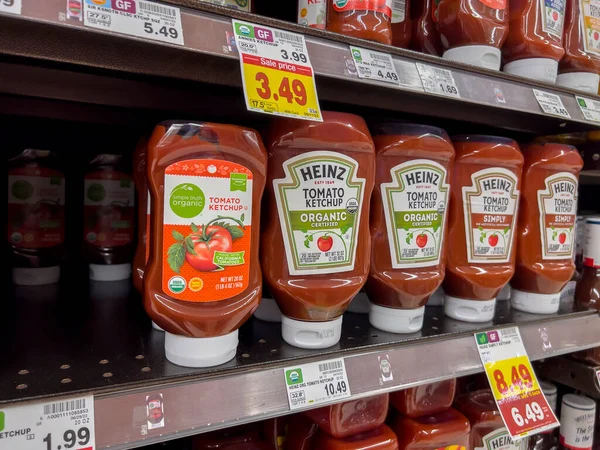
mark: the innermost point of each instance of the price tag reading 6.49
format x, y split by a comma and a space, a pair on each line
276, 72
521, 402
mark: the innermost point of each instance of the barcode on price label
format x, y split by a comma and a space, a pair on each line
153, 7
10, 6
289, 36
551, 104
372, 65
316, 383
71, 405
437, 81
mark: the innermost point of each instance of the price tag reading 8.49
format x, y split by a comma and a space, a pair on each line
276, 72
521, 402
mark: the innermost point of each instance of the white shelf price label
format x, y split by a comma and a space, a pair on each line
138, 18
589, 108
10, 6
316, 383
551, 104
521, 402
598, 376
66, 424
437, 81
372, 65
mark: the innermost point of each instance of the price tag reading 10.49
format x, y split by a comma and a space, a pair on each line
277, 75
521, 402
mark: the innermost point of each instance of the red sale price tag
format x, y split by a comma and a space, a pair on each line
522, 404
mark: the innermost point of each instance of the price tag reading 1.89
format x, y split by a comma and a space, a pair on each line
521, 402
277, 75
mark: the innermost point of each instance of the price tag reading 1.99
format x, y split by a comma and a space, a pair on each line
522, 404
276, 72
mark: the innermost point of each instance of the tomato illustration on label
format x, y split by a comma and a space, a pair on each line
325, 243
207, 229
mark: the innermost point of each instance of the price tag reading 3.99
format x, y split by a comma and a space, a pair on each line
276, 72
10, 6
521, 402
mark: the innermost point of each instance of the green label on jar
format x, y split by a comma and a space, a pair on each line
414, 205
319, 206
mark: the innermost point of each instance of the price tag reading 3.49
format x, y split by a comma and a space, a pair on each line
67, 424
316, 383
276, 72
522, 404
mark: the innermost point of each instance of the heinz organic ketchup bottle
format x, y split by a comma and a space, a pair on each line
484, 201
203, 278
36, 217
546, 231
315, 242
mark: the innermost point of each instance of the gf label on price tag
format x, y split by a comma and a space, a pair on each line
551, 104
10, 6
589, 108
316, 383
67, 424
139, 18
522, 404
277, 75
437, 81
372, 65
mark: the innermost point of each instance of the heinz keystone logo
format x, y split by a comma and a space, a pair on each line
293, 376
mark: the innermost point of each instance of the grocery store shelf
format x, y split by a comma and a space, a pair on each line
589, 177
95, 338
572, 373
44, 33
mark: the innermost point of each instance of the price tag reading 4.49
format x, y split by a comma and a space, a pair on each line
521, 402
67, 424
373, 65
276, 72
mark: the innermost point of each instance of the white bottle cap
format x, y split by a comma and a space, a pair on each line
200, 352
579, 402
110, 272
268, 310
396, 320
484, 56
541, 69
304, 334
505, 293
550, 392
531, 302
35, 276
437, 298
359, 304
156, 327
469, 310
580, 81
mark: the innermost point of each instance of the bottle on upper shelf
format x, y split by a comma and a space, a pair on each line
364, 19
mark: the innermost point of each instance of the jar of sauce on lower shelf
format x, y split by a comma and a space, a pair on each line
364, 19
546, 227
580, 67
408, 223
424, 400
487, 428
484, 201
36, 217
473, 31
352, 417
425, 37
109, 218
447, 429
534, 45
315, 239
381, 438
312, 13
401, 23
203, 278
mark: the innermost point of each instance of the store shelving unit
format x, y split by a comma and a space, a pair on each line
62, 345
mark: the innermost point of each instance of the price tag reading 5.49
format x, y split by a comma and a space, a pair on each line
276, 72
521, 402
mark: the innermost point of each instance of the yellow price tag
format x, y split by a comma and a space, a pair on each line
511, 377
271, 87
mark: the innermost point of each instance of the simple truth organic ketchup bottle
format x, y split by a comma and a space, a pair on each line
546, 230
408, 223
473, 31
36, 217
534, 44
315, 242
109, 216
364, 19
203, 276
484, 201
580, 67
